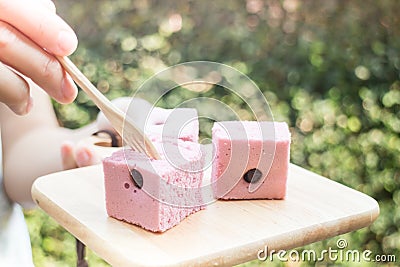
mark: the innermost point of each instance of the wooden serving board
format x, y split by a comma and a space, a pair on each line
224, 234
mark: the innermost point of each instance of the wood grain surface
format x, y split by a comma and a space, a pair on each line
224, 234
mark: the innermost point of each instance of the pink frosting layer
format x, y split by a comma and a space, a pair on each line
170, 189
241, 146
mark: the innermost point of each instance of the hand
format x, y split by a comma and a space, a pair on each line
30, 34
77, 156
85, 154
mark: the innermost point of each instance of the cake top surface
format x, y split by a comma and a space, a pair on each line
174, 154
177, 122
251, 130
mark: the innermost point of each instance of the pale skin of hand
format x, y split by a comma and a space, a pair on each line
30, 34
33, 146
83, 153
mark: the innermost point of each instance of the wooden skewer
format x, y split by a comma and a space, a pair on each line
124, 126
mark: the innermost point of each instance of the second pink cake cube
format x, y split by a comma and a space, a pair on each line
251, 159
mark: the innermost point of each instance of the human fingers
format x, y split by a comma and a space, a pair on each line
67, 156
40, 24
23, 55
85, 156
14, 91
77, 156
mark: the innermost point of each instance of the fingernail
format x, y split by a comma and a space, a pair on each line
66, 149
29, 105
83, 157
21, 108
67, 42
68, 89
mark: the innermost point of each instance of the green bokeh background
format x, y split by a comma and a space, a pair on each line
330, 69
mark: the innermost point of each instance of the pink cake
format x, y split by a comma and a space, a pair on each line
252, 159
178, 123
157, 123
154, 194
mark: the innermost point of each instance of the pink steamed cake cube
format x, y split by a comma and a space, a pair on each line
251, 161
164, 191
177, 123
157, 123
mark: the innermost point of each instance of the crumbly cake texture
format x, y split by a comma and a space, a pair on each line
154, 194
251, 159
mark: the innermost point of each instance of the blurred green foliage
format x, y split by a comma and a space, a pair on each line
328, 68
